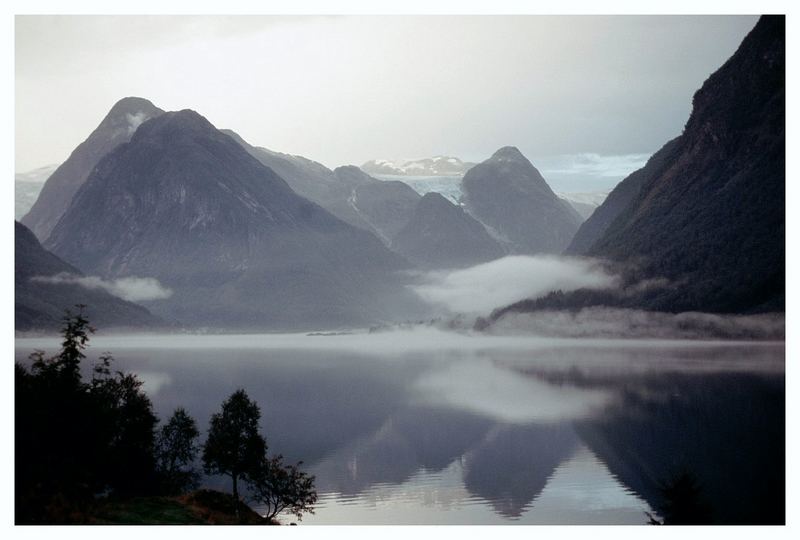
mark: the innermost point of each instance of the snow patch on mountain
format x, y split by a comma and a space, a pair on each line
433, 166
135, 120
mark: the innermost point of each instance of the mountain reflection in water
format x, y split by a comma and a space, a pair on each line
505, 431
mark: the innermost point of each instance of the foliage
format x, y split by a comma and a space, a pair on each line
283, 488
176, 450
234, 446
75, 439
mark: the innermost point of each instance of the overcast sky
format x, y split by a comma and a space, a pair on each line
344, 90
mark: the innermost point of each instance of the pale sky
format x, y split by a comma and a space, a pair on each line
343, 90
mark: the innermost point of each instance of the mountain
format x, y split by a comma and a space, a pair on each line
309, 179
711, 217
27, 186
387, 205
508, 195
619, 199
435, 166
441, 235
39, 305
116, 128
184, 203
347, 192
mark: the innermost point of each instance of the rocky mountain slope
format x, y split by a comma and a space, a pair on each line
712, 220
598, 222
508, 195
387, 205
441, 235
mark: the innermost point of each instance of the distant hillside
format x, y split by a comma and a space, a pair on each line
387, 206
441, 235
40, 305
508, 195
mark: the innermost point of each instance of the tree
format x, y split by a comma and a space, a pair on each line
234, 446
283, 488
77, 438
64, 368
176, 450
125, 426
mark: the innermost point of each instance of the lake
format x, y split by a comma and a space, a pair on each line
431, 427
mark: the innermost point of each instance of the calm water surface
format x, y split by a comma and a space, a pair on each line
434, 427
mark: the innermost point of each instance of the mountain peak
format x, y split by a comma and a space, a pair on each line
352, 175
128, 114
175, 125
508, 195
433, 199
509, 153
441, 235
131, 104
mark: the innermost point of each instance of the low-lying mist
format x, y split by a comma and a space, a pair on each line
133, 289
482, 288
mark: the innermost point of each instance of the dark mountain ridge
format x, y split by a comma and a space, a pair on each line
619, 200
713, 220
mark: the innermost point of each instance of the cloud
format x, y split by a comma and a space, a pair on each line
484, 287
133, 289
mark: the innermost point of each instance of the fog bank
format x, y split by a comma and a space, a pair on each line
482, 288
